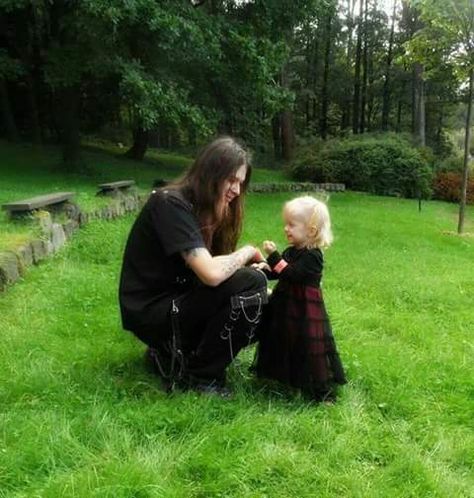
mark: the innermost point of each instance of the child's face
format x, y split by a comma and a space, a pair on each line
296, 229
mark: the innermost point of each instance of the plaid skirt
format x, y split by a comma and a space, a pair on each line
296, 344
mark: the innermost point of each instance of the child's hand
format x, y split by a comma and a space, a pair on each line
262, 266
269, 246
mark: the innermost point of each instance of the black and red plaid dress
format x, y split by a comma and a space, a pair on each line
296, 344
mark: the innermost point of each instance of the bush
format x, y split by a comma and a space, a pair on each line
447, 187
454, 163
381, 164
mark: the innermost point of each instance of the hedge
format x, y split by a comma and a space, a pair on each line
384, 164
447, 187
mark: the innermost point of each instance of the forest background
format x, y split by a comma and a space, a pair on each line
375, 94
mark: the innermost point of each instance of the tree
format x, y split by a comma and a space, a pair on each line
449, 32
357, 83
279, 22
388, 69
9, 71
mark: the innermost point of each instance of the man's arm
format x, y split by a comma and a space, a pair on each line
213, 270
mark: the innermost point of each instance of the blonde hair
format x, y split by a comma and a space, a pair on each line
315, 214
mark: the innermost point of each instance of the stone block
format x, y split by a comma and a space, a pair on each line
120, 209
45, 222
25, 255
49, 247
9, 269
39, 250
72, 210
70, 227
83, 218
58, 237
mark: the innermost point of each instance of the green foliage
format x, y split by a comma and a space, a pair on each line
452, 163
10, 69
448, 32
156, 102
447, 187
382, 164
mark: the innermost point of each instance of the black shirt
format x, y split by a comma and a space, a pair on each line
153, 270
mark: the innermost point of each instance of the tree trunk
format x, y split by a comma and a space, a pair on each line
140, 144
286, 123
192, 137
6, 112
324, 88
467, 142
287, 135
356, 102
419, 104
365, 65
154, 138
70, 140
34, 112
398, 126
276, 135
350, 27
388, 67
347, 100
372, 104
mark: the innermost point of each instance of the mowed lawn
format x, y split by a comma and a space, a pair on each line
81, 416
27, 171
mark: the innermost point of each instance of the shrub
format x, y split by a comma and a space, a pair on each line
452, 163
447, 187
381, 164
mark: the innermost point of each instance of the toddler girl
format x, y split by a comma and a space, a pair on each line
296, 345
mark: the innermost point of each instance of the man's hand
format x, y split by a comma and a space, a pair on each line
258, 258
261, 266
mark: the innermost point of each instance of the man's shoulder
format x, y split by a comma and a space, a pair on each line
170, 197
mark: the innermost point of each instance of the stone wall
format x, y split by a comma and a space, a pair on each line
53, 235
267, 188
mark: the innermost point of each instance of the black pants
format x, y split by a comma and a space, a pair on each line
211, 333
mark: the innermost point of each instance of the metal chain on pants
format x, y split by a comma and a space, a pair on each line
239, 305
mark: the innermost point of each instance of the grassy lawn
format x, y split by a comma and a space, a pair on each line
81, 417
26, 171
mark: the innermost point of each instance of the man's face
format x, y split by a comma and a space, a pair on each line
233, 185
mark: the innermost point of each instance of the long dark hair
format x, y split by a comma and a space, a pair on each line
202, 184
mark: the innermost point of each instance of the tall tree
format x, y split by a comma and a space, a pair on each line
388, 69
449, 30
9, 71
325, 84
357, 82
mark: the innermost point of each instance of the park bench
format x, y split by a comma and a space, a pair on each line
113, 188
55, 200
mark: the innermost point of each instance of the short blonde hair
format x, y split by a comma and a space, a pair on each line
315, 214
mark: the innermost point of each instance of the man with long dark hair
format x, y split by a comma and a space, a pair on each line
184, 289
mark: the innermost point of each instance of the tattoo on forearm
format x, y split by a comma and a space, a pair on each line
232, 262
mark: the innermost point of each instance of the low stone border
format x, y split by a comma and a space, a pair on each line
13, 264
266, 188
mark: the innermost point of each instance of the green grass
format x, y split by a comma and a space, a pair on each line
27, 171
81, 417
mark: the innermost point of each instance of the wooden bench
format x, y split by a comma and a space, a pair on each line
113, 188
41, 201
